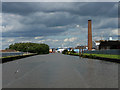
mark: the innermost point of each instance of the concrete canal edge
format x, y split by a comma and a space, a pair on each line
12, 58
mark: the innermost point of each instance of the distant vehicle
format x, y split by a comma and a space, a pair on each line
53, 52
50, 51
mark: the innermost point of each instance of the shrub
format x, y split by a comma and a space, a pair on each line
73, 51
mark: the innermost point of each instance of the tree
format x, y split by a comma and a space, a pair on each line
30, 47
65, 51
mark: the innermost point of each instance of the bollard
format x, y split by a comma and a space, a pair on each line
79, 52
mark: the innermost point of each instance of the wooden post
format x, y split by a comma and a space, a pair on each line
82, 50
79, 52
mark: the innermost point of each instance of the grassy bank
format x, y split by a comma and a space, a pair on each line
12, 58
106, 57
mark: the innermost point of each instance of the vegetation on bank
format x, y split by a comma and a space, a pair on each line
30, 47
68, 52
12, 58
86, 55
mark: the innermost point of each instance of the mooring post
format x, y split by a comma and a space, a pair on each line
82, 50
79, 52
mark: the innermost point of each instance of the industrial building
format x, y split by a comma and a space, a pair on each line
109, 45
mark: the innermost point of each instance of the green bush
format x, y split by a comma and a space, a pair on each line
65, 51
90, 56
73, 51
30, 47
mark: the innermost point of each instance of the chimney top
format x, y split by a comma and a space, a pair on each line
89, 20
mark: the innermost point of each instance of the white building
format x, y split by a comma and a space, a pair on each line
110, 38
60, 50
96, 44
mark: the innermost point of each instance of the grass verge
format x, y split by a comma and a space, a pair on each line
103, 55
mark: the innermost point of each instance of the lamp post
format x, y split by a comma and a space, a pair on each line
78, 26
27, 49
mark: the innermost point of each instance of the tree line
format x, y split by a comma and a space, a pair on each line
30, 47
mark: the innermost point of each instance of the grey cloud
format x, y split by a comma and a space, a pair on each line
58, 20
86, 8
105, 22
32, 31
50, 19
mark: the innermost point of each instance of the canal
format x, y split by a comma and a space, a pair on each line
59, 71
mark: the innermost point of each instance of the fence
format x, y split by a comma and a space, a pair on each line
112, 51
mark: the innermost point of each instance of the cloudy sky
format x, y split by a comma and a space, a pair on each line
58, 24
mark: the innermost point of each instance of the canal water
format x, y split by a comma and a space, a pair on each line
4, 54
59, 71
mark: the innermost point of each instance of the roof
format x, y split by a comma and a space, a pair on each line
97, 41
80, 47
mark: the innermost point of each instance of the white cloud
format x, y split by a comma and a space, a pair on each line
98, 38
11, 22
55, 40
78, 44
39, 37
48, 40
77, 25
41, 41
115, 32
11, 40
21, 37
65, 40
70, 39
59, 26
26, 41
7, 28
